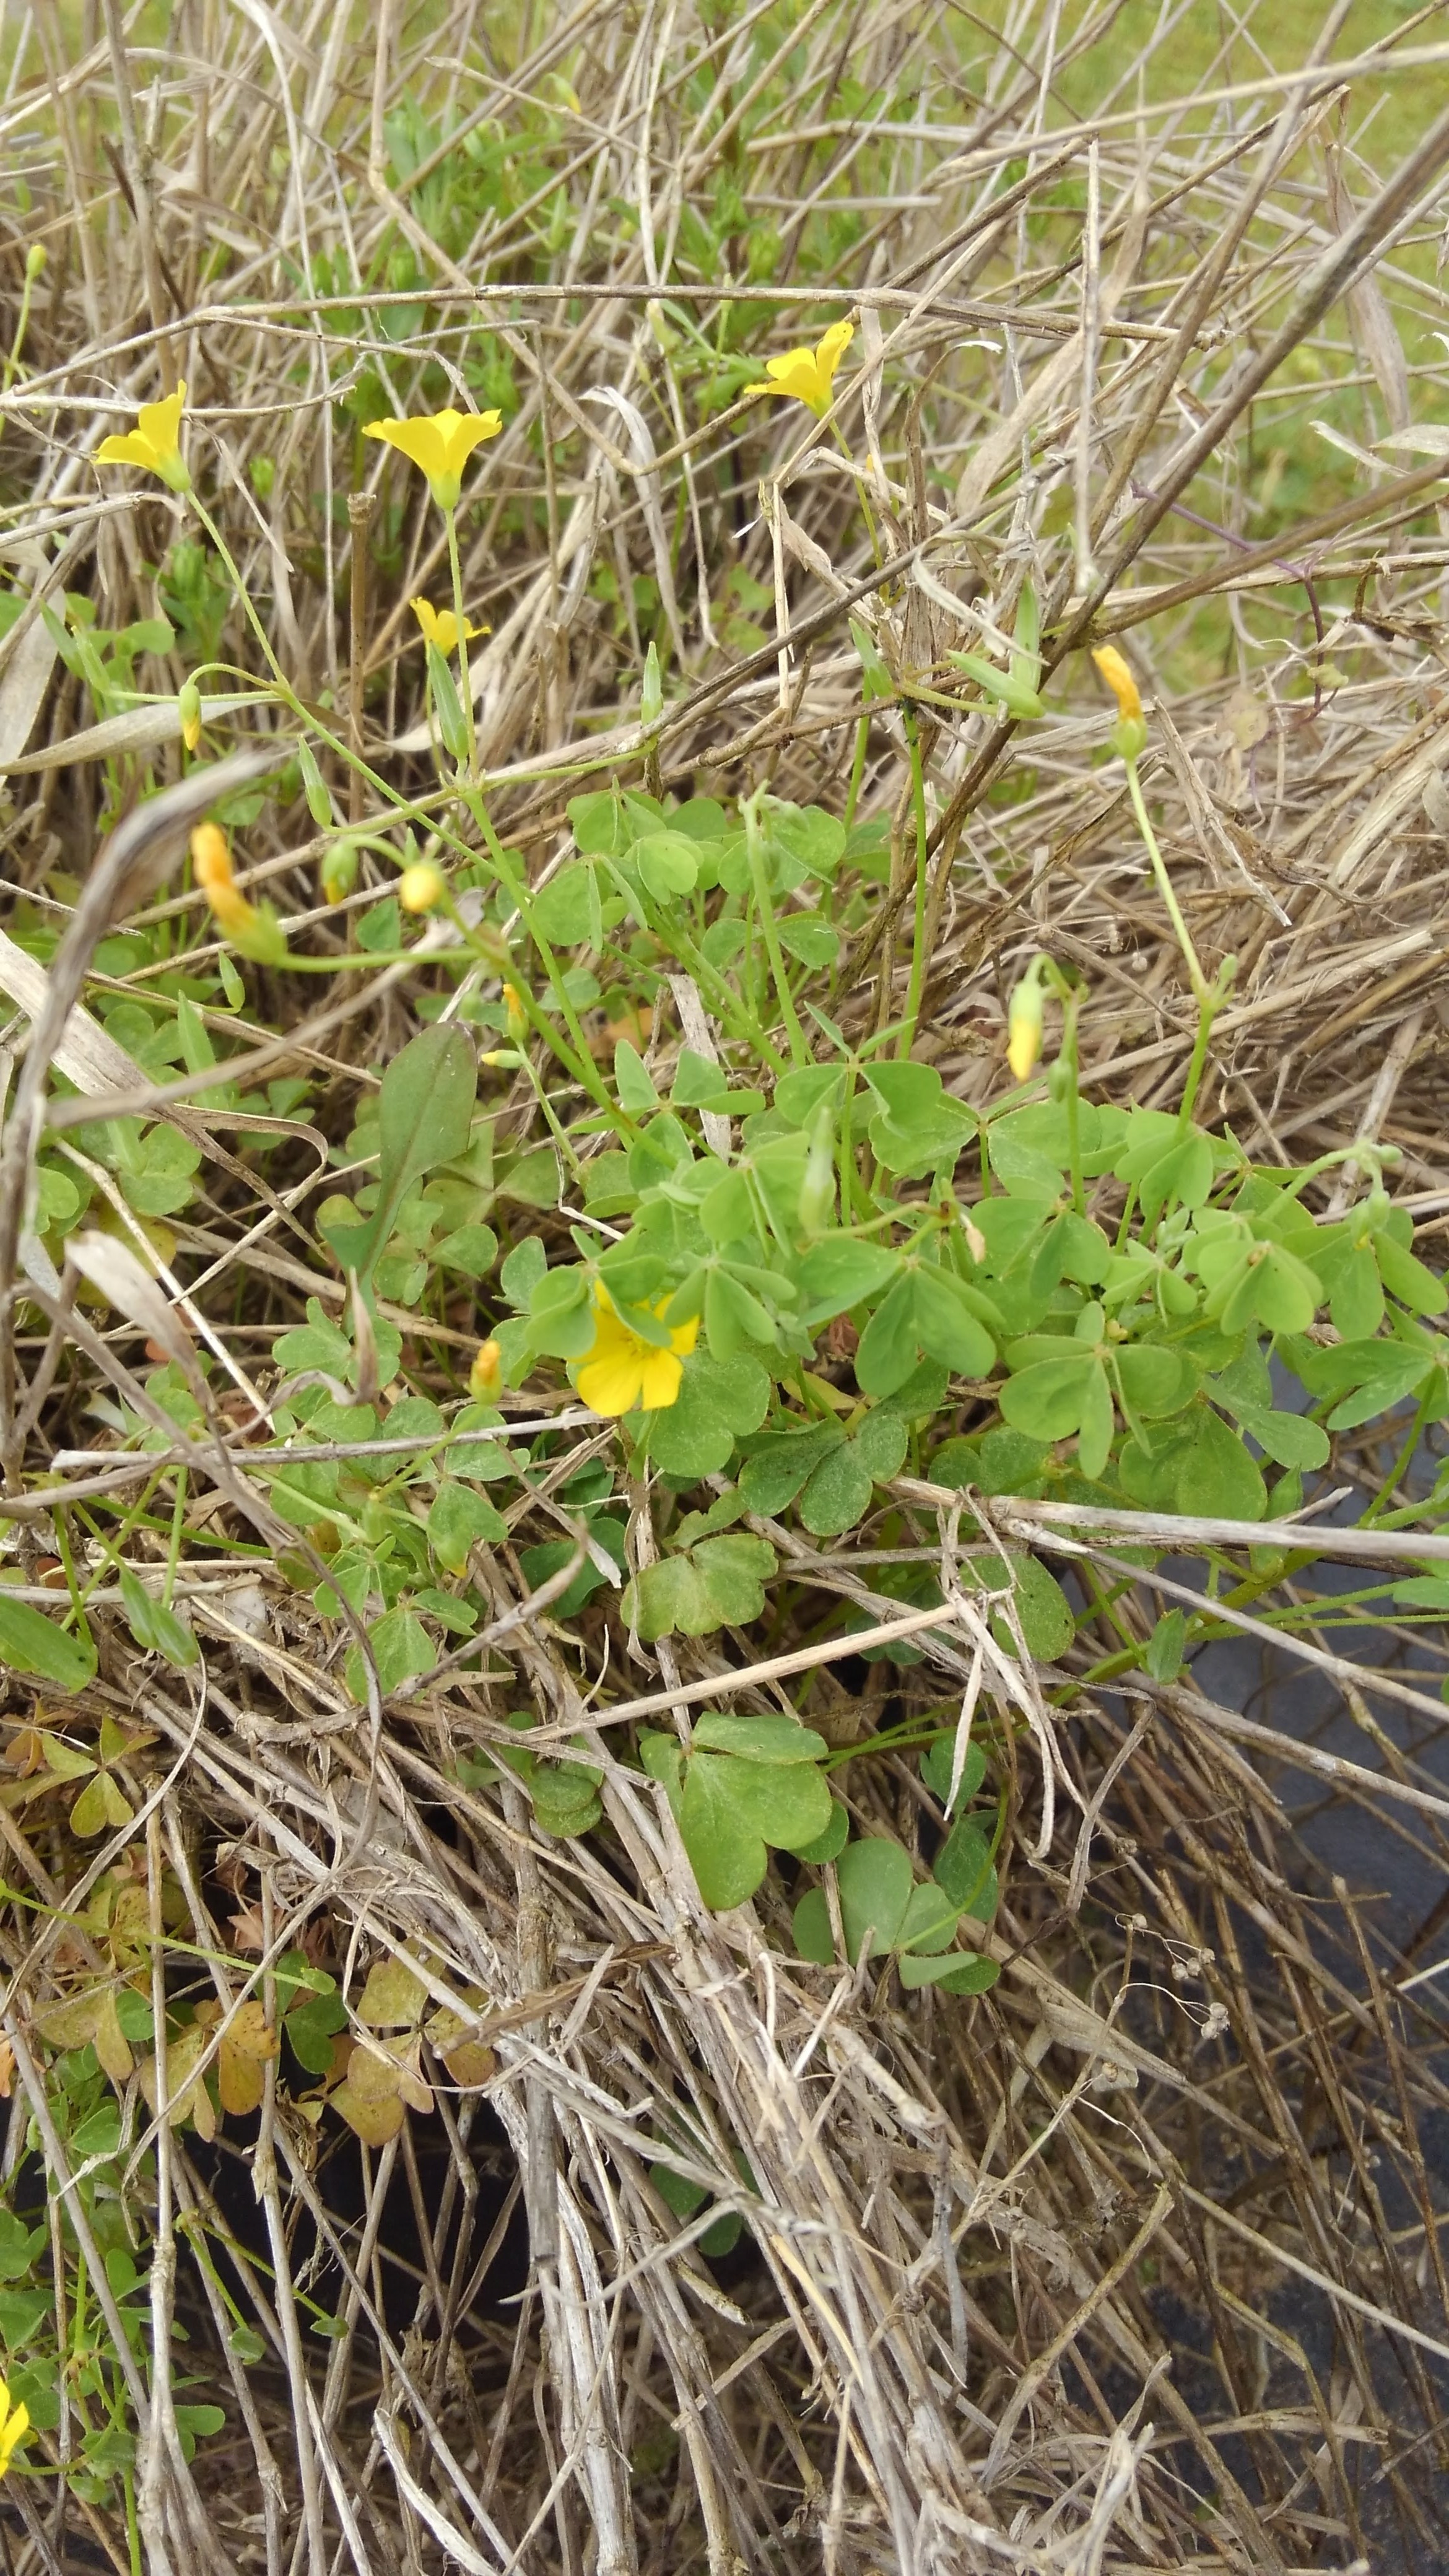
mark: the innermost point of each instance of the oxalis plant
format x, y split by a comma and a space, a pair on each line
793, 1286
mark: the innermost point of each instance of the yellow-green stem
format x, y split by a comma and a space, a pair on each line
918, 933
455, 567
857, 766
250, 614
1196, 976
759, 878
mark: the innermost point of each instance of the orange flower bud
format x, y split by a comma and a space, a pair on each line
1118, 676
210, 856
485, 1377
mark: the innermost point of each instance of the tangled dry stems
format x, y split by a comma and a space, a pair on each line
1137, 2261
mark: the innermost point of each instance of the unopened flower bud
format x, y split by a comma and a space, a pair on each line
188, 703
485, 1377
34, 260
666, 338
1129, 733
421, 887
1024, 1027
517, 1015
210, 856
339, 871
651, 691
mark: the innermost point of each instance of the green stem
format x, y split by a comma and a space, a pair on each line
1208, 1006
857, 766
580, 1059
21, 327
1070, 998
133, 2529
918, 936
250, 614
1423, 1416
734, 1011
559, 1133
451, 521
173, 1552
858, 473
1196, 976
759, 878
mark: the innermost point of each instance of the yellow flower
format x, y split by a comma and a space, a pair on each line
1120, 681
441, 443
440, 626
485, 1377
153, 443
808, 375
14, 2427
420, 887
1023, 1027
623, 1370
256, 932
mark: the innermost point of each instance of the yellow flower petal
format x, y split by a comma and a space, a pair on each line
440, 443
622, 1369
808, 375
14, 2426
683, 1337
153, 444
833, 347
611, 1385
132, 449
159, 423
660, 1379
439, 625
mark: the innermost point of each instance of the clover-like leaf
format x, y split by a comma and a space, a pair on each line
458, 1518
720, 1582
393, 1997
718, 1401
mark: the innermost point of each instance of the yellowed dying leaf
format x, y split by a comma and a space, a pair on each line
70, 2024
393, 1997
372, 2075
188, 2096
469, 2061
246, 2049
111, 2044
373, 2121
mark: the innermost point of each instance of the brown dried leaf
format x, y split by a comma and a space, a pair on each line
470, 2064
248, 1931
